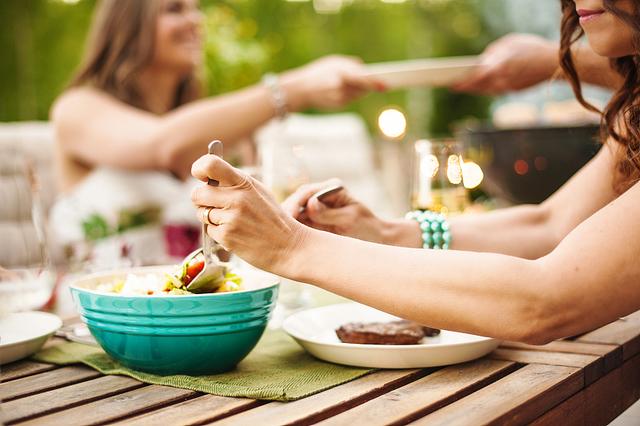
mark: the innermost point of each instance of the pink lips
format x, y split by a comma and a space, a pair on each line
587, 14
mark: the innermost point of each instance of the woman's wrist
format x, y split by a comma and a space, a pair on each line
295, 254
278, 95
434, 228
402, 232
291, 84
548, 62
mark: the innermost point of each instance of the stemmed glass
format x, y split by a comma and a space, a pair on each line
437, 183
26, 273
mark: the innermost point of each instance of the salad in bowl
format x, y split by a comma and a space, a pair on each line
171, 283
145, 319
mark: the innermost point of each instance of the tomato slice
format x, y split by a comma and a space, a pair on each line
193, 270
186, 280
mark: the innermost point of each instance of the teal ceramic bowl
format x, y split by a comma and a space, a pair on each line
193, 334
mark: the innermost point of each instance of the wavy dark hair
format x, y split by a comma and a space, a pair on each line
621, 116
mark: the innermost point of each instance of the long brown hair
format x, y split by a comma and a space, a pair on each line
120, 45
621, 116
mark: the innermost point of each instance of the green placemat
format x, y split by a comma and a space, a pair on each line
277, 369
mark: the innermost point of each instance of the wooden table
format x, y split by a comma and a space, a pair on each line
587, 380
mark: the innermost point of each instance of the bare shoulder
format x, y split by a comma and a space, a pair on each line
82, 113
78, 102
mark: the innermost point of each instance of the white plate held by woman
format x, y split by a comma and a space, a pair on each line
24, 333
434, 72
314, 329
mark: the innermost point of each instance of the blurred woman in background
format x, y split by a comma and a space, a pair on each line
135, 108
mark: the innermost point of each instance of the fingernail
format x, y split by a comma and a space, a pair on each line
318, 205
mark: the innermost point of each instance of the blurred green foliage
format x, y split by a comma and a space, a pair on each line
42, 42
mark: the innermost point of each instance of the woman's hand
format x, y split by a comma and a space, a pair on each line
327, 83
243, 217
340, 213
513, 62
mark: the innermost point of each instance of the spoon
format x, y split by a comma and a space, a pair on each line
212, 274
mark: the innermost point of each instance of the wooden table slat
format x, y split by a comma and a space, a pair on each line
66, 397
598, 404
115, 407
45, 381
565, 346
612, 354
601, 402
569, 413
630, 382
425, 395
593, 366
326, 403
603, 399
193, 411
518, 398
623, 332
19, 369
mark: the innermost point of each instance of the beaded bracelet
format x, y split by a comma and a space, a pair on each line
434, 228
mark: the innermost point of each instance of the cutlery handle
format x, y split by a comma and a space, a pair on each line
209, 245
215, 148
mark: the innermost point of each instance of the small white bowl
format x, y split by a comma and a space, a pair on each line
24, 333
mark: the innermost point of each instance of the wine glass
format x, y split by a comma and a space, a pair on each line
27, 276
437, 183
282, 167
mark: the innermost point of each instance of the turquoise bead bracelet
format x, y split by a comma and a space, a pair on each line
434, 228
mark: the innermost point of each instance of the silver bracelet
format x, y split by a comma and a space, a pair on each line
278, 96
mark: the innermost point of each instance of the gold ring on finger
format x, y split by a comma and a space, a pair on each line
209, 216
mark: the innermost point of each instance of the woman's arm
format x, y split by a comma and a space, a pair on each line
97, 129
588, 280
532, 231
517, 61
504, 231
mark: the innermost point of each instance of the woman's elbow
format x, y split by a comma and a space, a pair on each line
544, 317
537, 330
537, 337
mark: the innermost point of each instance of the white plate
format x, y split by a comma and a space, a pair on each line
314, 329
423, 72
24, 333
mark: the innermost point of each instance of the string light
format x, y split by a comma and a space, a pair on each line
472, 175
454, 169
392, 123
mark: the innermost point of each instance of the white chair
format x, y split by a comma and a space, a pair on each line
27, 190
